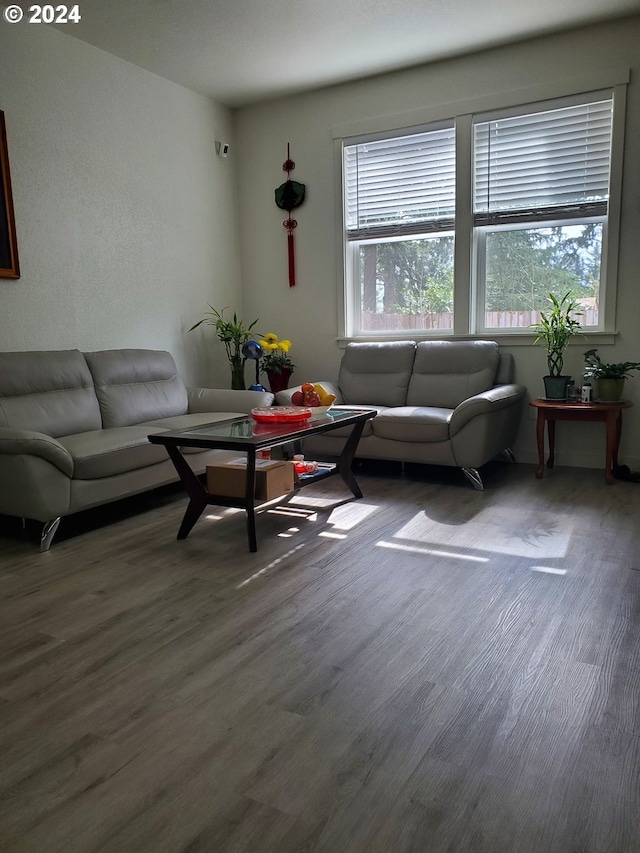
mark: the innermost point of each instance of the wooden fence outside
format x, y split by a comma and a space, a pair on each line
494, 320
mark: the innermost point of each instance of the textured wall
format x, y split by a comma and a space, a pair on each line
126, 218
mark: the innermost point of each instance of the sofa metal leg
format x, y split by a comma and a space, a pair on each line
474, 478
508, 452
48, 532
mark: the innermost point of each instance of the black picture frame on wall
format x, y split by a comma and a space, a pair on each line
9, 265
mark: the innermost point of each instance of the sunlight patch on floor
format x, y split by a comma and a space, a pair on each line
270, 565
308, 500
349, 515
549, 570
294, 512
432, 552
223, 513
508, 531
287, 534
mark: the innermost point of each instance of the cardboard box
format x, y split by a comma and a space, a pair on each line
274, 477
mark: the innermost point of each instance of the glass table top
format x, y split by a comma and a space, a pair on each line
249, 429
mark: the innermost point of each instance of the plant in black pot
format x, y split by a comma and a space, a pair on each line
610, 378
556, 328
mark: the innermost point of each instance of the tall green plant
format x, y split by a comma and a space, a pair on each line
233, 334
556, 328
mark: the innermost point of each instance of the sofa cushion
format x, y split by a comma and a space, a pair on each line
49, 392
447, 372
413, 424
136, 385
104, 452
376, 373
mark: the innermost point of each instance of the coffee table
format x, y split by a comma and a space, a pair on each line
245, 434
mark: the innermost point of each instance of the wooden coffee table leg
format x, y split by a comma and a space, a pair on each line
345, 460
193, 512
250, 498
193, 487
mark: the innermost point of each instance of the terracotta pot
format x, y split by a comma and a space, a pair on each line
279, 381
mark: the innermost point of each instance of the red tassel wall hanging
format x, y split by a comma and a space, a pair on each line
289, 196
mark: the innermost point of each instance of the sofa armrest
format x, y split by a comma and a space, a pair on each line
283, 398
493, 400
226, 400
23, 442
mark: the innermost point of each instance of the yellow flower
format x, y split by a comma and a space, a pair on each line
272, 344
275, 358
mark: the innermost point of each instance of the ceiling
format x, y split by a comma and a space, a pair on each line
244, 51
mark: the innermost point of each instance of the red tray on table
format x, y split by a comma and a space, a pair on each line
281, 414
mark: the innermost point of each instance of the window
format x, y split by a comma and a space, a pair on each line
540, 195
399, 211
530, 214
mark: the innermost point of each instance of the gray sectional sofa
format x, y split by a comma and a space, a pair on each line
438, 402
74, 428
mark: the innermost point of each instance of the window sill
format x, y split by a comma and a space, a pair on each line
504, 339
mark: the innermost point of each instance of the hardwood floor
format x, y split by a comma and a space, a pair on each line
427, 669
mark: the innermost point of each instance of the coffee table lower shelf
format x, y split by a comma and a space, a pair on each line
201, 499
327, 470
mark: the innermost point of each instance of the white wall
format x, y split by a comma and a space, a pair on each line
126, 217
308, 314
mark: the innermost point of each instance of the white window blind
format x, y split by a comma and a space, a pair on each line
400, 186
529, 167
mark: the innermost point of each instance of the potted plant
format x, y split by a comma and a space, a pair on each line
556, 327
610, 377
233, 334
277, 363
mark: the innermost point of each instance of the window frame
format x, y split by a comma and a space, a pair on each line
464, 114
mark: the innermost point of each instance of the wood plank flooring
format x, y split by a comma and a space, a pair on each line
427, 669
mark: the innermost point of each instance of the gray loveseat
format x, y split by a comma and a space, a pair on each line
74, 427
438, 402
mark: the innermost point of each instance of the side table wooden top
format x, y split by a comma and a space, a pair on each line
566, 405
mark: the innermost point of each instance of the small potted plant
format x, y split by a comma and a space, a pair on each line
276, 362
610, 377
234, 335
555, 328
